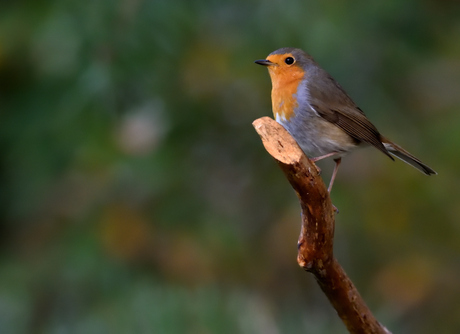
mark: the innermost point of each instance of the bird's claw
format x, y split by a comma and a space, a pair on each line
334, 208
318, 170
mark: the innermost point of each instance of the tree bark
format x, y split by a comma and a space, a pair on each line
315, 244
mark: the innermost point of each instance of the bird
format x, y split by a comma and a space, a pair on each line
325, 122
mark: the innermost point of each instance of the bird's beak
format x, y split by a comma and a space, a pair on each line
264, 62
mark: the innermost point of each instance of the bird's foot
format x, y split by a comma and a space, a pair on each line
318, 170
334, 208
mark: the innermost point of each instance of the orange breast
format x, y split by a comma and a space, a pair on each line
285, 83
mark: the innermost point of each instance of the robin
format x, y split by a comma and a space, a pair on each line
320, 115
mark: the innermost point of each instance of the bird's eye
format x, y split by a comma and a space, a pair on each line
289, 60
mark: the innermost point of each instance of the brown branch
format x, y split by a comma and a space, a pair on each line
315, 243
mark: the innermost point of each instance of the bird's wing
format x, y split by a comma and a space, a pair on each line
339, 109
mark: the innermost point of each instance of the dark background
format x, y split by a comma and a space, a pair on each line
137, 198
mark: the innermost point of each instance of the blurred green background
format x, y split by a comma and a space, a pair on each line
137, 198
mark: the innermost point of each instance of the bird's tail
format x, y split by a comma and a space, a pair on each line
405, 156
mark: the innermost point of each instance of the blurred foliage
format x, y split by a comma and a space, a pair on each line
137, 198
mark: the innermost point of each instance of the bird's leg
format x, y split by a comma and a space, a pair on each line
323, 156
315, 159
334, 173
